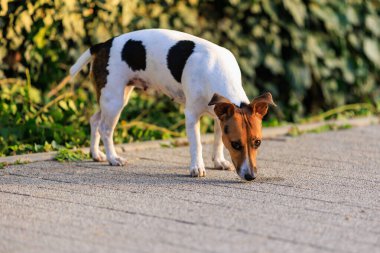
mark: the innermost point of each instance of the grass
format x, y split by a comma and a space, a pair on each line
295, 131
346, 111
17, 162
66, 155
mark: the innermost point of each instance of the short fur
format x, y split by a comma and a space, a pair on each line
177, 57
99, 71
134, 54
192, 71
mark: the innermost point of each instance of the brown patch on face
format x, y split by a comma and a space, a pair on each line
242, 132
244, 129
99, 72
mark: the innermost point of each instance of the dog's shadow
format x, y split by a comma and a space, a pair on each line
171, 175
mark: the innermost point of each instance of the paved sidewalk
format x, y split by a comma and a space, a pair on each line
315, 193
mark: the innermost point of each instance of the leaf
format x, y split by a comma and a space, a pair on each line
13, 109
4, 7
328, 16
373, 24
63, 105
72, 105
314, 46
274, 64
297, 10
372, 51
352, 16
349, 71
354, 40
39, 38
270, 9
299, 76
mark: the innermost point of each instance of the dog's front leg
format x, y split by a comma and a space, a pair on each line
197, 167
218, 157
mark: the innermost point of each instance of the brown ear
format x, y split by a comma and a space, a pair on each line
224, 109
260, 104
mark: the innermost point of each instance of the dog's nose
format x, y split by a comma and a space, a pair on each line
249, 177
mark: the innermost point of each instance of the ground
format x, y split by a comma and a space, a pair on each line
315, 193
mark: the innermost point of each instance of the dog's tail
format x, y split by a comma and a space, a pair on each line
83, 60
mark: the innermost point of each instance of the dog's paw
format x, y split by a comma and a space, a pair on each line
99, 157
117, 161
197, 171
223, 165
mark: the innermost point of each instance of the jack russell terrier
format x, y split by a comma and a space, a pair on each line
192, 71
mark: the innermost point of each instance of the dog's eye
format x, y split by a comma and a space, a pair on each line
257, 143
236, 145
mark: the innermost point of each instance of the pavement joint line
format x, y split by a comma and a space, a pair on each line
314, 210
50, 234
339, 215
268, 133
78, 215
209, 226
244, 189
265, 192
121, 210
184, 181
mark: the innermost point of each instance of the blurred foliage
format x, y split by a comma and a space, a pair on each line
32, 121
295, 131
313, 55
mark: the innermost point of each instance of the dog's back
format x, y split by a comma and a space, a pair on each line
167, 61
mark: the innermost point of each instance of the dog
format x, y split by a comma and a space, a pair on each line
199, 74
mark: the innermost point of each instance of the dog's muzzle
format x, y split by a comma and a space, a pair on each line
246, 173
249, 177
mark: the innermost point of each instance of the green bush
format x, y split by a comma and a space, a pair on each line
313, 55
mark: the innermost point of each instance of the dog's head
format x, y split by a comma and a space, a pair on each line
241, 130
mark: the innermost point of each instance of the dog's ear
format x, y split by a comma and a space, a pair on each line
260, 104
224, 109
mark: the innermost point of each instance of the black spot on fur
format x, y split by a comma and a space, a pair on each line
177, 57
99, 72
246, 108
134, 54
242, 105
226, 129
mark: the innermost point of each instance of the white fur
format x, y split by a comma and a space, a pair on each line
209, 69
245, 169
83, 60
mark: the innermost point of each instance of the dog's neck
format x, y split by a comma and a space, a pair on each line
237, 98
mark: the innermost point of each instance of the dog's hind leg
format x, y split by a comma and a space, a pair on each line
112, 102
218, 157
96, 154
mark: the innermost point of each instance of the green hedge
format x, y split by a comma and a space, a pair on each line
311, 54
